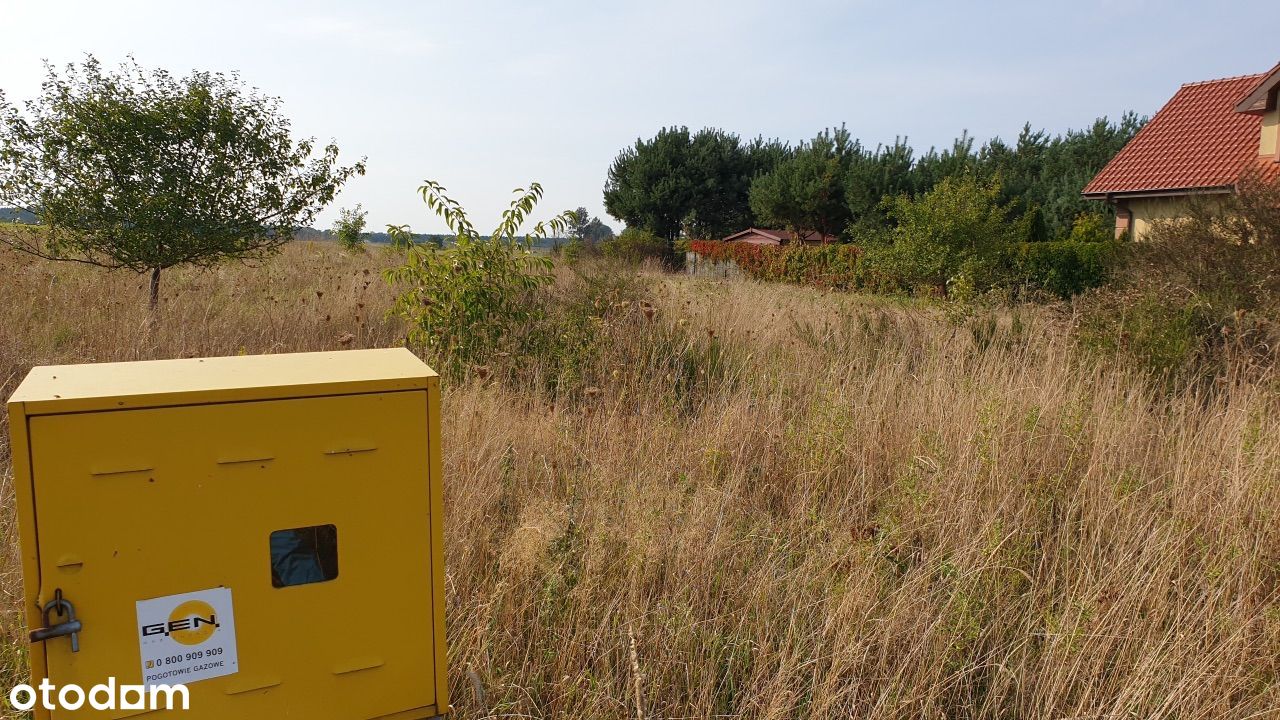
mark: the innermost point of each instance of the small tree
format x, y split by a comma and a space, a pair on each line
588, 231
350, 228
463, 302
578, 222
596, 232
142, 170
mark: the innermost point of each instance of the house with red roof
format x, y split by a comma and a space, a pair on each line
756, 236
1208, 138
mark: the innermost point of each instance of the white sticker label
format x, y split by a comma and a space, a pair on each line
187, 638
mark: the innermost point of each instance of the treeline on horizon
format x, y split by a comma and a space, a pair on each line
711, 183
382, 238
23, 217
437, 239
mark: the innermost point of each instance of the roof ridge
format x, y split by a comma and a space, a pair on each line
1196, 140
1251, 76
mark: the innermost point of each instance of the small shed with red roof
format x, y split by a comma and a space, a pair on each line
756, 236
1208, 138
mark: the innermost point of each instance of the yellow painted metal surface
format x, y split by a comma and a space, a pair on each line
130, 491
156, 383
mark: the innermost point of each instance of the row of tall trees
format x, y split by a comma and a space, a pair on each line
712, 183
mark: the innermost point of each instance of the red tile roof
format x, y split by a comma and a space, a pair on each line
784, 236
1263, 97
1197, 141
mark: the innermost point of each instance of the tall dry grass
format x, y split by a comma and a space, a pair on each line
770, 502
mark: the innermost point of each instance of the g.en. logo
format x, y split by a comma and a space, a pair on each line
191, 623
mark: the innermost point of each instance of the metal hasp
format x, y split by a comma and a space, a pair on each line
222, 523
71, 627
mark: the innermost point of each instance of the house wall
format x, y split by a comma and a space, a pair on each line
1147, 211
1124, 220
1270, 129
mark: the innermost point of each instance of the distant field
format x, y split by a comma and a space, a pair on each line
766, 501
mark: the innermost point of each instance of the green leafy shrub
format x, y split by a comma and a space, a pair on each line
350, 228
468, 301
1063, 268
1151, 324
1199, 296
574, 250
634, 245
956, 238
1091, 228
958, 227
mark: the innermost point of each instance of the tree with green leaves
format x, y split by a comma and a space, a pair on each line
349, 228
807, 191
694, 184
934, 166
711, 184
1067, 164
956, 231
723, 168
596, 232
142, 170
870, 178
650, 185
587, 232
578, 222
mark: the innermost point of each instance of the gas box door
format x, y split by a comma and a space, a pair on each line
274, 556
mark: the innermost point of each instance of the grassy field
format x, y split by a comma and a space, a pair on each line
771, 502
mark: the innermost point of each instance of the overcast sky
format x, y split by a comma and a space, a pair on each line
487, 96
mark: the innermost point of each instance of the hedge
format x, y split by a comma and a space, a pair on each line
827, 266
1063, 268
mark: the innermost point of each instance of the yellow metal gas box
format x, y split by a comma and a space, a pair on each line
263, 530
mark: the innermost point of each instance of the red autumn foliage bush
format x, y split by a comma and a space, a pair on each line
827, 266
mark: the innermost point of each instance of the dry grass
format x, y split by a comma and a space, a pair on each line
776, 503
